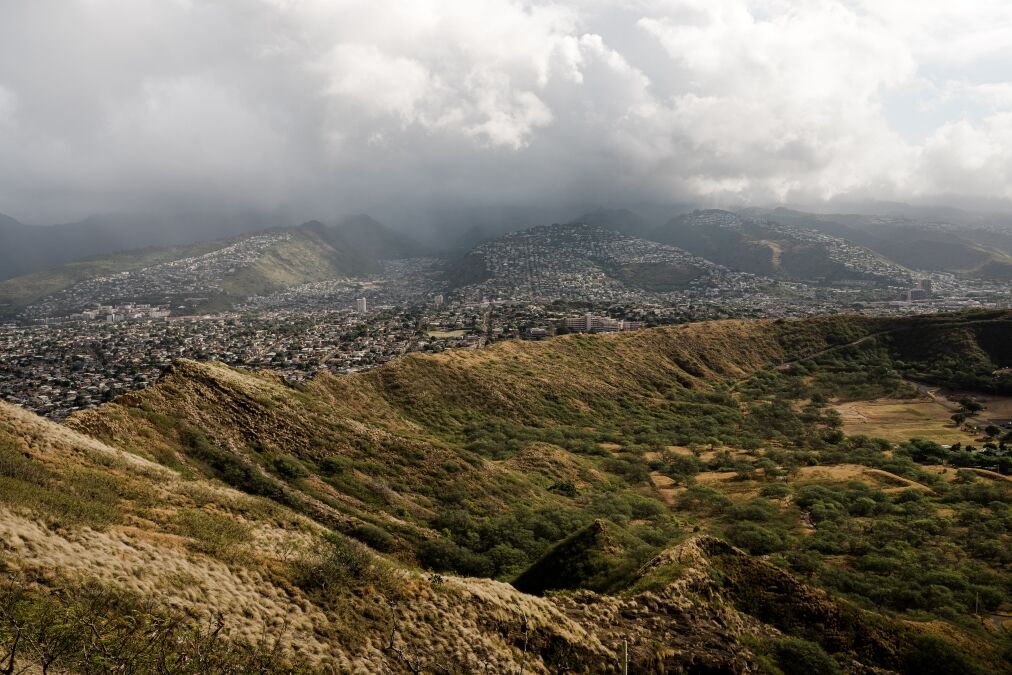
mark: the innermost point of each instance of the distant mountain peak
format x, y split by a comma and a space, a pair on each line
364, 233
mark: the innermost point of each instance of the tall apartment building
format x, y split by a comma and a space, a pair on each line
589, 323
361, 305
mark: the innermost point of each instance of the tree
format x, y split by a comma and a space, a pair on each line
970, 406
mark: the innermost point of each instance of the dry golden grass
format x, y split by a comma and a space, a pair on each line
551, 461
886, 481
468, 622
901, 420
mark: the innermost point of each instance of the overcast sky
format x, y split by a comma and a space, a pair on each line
333, 106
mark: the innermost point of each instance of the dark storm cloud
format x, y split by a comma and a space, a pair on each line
327, 106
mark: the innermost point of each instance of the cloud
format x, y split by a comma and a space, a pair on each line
325, 106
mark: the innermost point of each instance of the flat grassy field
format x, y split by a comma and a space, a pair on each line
445, 334
900, 420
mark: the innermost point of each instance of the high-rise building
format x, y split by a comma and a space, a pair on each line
362, 305
438, 300
589, 323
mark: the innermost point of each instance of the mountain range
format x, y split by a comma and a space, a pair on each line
772, 248
781, 244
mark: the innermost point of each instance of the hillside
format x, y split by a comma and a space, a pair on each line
223, 271
373, 239
769, 247
21, 291
919, 244
368, 523
577, 261
33, 248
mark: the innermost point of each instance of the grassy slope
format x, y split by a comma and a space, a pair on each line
308, 256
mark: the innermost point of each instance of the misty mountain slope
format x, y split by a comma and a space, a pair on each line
221, 272
21, 291
303, 254
577, 261
491, 463
771, 248
24, 248
623, 221
373, 239
30, 248
916, 244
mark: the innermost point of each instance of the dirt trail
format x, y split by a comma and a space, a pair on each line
665, 487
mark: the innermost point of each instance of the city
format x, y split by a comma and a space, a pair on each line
87, 344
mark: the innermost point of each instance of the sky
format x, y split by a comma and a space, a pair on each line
337, 106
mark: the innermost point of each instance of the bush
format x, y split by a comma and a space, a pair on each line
330, 570
800, 657
931, 655
19, 466
775, 490
288, 467
443, 555
755, 539
334, 465
229, 468
566, 488
374, 537
804, 562
213, 533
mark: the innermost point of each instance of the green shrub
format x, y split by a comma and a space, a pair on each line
931, 655
775, 490
755, 539
288, 467
334, 465
19, 466
213, 533
328, 571
443, 555
800, 657
229, 468
374, 537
